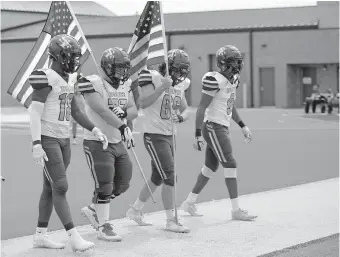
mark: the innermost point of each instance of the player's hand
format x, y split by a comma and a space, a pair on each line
119, 112
101, 136
39, 155
247, 134
199, 143
166, 82
127, 136
177, 118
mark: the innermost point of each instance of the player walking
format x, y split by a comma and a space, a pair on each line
217, 109
50, 115
158, 93
107, 105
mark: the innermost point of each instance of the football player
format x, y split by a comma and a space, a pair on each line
50, 115
217, 109
107, 105
158, 94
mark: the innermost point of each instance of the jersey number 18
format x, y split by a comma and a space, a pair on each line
65, 106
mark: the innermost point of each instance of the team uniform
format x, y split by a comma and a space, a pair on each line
217, 121
158, 127
111, 167
55, 121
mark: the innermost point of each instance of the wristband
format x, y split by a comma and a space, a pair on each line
241, 124
180, 118
122, 128
36, 142
198, 133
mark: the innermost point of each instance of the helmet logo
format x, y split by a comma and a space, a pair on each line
65, 42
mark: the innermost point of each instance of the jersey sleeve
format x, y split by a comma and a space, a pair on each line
210, 85
144, 78
186, 84
85, 86
38, 80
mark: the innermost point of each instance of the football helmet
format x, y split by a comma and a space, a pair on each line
115, 62
229, 59
66, 50
179, 65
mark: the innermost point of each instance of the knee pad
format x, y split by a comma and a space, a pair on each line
207, 172
230, 163
230, 172
170, 180
120, 189
60, 186
156, 181
103, 193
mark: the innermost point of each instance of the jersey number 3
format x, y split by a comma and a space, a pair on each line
230, 103
65, 106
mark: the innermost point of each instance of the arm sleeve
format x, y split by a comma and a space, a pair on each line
209, 85
144, 78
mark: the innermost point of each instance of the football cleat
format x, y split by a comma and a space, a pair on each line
190, 208
41, 240
173, 226
90, 213
242, 215
137, 216
105, 232
78, 243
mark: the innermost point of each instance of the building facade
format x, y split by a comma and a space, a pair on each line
286, 50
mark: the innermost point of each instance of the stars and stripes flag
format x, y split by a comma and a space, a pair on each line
59, 21
147, 46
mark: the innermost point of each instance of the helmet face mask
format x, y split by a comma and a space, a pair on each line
70, 61
179, 65
230, 61
116, 65
65, 50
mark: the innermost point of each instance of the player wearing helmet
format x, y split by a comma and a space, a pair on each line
50, 115
108, 105
158, 94
216, 109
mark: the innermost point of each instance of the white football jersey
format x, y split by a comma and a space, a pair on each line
224, 97
157, 118
56, 117
111, 98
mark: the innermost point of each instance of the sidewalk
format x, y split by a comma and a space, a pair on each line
286, 217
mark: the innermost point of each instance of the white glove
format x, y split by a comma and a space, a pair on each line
177, 118
247, 134
39, 155
199, 143
101, 136
119, 112
127, 136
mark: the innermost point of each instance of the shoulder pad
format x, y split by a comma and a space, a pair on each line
144, 78
186, 83
38, 79
85, 85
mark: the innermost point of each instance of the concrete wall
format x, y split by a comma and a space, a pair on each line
292, 47
277, 49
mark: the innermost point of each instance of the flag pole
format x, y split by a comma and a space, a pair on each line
171, 111
98, 70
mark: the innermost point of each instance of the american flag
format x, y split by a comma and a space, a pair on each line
147, 46
59, 21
